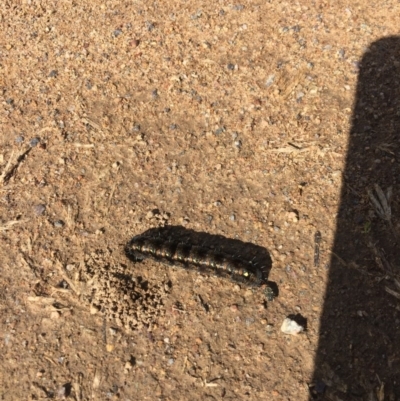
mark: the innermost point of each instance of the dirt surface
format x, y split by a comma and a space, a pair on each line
261, 128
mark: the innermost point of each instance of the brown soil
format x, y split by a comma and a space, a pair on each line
248, 127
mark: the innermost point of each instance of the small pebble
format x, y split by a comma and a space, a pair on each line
150, 26
53, 74
117, 32
61, 392
231, 66
171, 361
234, 308
34, 142
94, 309
39, 209
19, 139
238, 7
154, 94
196, 15
290, 326
113, 331
270, 80
127, 367
293, 216
59, 224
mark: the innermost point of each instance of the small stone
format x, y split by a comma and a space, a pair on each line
270, 80
151, 214
238, 144
117, 32
127, 367
234, 308
150, 26
34, 142
232, 217
171, 361
113, 331
238, 7
53, 74
290, 326
94, 309
231, 66
263, 321
61, 391
59, 224
269, 328
39, 209
55, 315
293, 216
19, 139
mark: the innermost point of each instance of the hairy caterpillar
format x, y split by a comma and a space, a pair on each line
199, 258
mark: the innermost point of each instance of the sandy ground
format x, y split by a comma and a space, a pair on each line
224, 121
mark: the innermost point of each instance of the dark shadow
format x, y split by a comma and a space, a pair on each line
259, 256
358, 355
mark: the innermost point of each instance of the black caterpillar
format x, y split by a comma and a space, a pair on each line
203, 259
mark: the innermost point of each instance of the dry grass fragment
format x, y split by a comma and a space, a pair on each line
382, 203
7, 226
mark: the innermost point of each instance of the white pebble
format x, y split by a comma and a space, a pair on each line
289, 326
